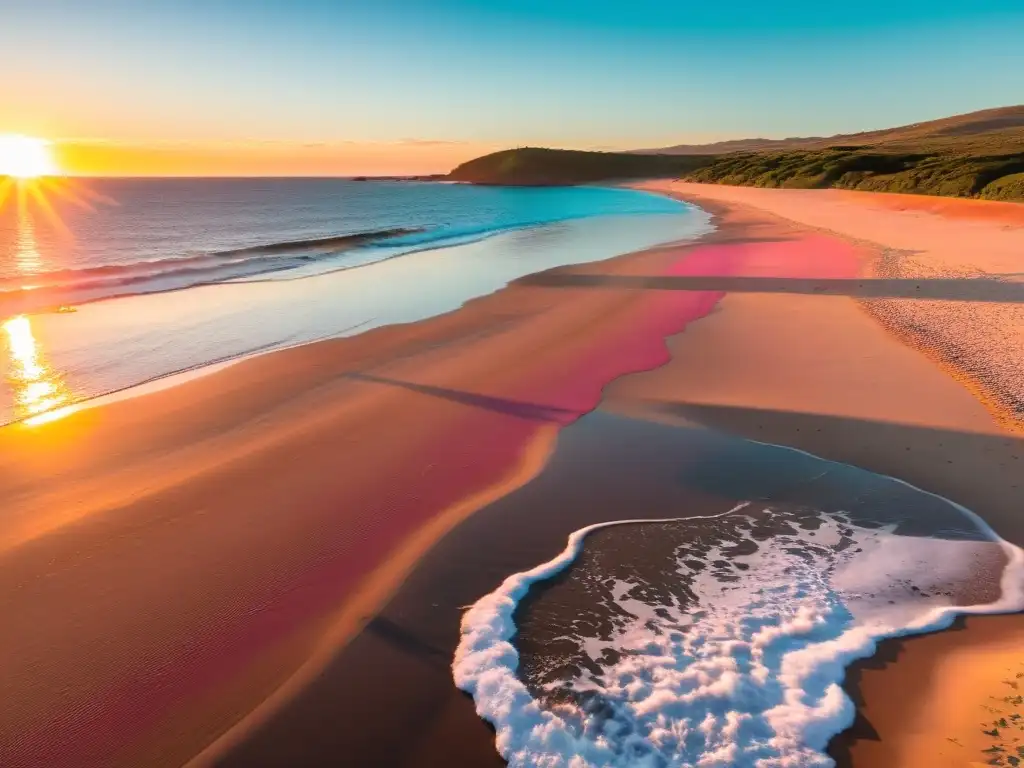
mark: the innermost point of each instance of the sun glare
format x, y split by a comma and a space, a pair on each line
26, 157
31, 182
37, 388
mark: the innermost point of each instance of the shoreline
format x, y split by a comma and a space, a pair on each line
425, 415
374, 592
86, 354
967, 673
401, 613
489, 623
441, 409
932, 242
957, 451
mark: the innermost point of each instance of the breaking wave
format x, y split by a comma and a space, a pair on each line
263, 261
729, 648
149, 276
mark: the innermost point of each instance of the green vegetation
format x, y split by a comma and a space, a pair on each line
531, 166
976, 155
980, 154
994, 177
1009, 187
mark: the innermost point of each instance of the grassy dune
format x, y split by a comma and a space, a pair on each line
976, 155
952, 174
980, 154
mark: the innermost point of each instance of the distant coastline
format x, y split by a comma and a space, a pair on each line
978, 155
426, 177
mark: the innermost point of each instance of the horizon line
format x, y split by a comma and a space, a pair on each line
237, 176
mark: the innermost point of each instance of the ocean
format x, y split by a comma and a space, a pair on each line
114, 283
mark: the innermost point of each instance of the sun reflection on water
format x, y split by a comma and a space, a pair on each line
26, 251
31, 186
37, 389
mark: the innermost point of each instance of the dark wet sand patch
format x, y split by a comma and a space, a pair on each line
388, 698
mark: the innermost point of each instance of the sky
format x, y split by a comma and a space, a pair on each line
310, 87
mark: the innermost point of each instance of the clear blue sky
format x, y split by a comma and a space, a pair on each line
580, 73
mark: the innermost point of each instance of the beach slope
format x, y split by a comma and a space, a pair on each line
188, 566
866, 371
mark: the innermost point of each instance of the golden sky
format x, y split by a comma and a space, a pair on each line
183, 86
263, 158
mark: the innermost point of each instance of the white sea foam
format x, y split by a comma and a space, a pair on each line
748, 672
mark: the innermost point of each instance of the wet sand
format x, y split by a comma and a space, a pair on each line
182, 563
200, 571
885, 398
965, 707
395, 677
832, 382
818, 372
946, 277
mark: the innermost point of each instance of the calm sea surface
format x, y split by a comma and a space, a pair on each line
168, 275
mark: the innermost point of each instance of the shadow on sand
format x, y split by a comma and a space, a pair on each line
964, 289
505, 406
387, 697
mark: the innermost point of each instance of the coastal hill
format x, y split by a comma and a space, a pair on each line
976, 155
1003, 126
536, 166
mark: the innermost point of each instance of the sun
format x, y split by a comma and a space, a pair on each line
31, 181
26, 157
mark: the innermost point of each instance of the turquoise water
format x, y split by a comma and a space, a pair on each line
152, 235
159, 316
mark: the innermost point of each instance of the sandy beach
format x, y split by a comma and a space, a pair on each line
180, 559
266, 565
833, 382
